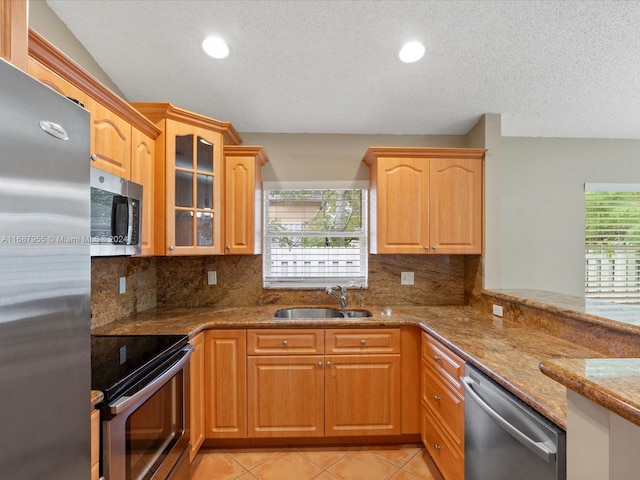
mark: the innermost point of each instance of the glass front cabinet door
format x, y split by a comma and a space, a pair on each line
193, 186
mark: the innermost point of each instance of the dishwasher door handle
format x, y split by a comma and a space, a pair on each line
539, 448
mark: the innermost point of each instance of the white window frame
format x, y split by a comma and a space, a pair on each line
300, 278
612, 264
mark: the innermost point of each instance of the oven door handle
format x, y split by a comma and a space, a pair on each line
127, 401
541, 449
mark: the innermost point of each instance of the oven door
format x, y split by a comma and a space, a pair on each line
145, 431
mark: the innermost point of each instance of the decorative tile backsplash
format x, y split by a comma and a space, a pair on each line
182, 281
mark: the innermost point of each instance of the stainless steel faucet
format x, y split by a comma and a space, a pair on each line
343, 296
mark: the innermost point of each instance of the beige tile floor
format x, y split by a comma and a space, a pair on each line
393, 462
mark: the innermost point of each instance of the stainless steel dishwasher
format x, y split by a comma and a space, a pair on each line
504, 438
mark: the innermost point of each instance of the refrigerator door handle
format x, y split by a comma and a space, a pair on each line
539, 448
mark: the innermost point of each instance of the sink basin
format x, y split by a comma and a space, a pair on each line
320, 313
357, 313
308, 313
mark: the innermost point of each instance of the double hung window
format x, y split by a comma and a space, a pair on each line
315, 237
612, 237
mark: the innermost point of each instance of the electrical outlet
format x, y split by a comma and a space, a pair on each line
497, 310
406, 278
123, 285
123, 354
212, 278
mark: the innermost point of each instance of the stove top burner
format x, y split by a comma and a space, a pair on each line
117, 361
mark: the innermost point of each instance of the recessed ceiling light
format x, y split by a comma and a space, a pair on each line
411, 52
215, 47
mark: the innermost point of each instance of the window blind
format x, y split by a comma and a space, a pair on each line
612, 249
315, 238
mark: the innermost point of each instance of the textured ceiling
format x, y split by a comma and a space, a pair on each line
551, 68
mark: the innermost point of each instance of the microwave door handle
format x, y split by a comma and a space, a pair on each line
539, 448
129, 218
126, 401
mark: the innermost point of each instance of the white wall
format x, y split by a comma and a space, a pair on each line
330, 157
542, 206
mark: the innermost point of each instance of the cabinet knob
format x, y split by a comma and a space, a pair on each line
328, 364
228, 247
436, 398
285, 343
172, 248
436, 358
426, 247
319, 364
363, 342
434, 248
436, 447
94, 158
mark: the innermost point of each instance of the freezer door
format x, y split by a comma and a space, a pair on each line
44, 282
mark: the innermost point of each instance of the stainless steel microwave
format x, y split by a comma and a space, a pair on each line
116, 215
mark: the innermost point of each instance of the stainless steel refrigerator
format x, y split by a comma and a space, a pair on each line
45, 282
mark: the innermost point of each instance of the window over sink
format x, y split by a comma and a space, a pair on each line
314, 237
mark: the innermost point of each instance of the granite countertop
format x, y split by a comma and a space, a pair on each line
95, 398
508, 352
613, 383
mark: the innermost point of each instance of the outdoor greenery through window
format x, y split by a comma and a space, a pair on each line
315, 238
612, 251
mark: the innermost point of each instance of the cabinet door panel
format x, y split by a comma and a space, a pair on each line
110, 140
362, 395
225, 384
455, 199
403, 205
286, 396
196, 398
142, 171
193, 190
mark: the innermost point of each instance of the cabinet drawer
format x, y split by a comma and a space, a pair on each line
445, 402
449, 459
377, 340
443, 361
283, 341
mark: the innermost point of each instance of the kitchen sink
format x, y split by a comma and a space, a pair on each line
320, 313
357, 313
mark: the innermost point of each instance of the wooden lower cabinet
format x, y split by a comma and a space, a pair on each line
312, 392
196, 395
285, 396
362, 395
442, 408
225, 384
95, 444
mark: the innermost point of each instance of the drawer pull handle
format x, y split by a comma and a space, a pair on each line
436, 398
436, 447
285, 343
436, 358
363, 342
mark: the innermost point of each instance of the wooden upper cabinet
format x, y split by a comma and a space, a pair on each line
455, 205
425, 200
110, 140
189, 180
142, 170
243, 199
14, 32
54, 81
